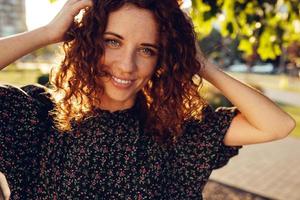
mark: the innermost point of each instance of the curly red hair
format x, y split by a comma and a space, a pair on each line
169, 98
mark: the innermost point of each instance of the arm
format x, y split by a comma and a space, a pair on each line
4, 189
16, 46
260, 120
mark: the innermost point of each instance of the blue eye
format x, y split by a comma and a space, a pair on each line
112, 43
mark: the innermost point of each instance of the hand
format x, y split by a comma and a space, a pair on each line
57, 28
4, 189
208, 68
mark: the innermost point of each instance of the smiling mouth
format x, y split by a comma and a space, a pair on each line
120, 82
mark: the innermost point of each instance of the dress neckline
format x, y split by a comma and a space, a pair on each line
116, 112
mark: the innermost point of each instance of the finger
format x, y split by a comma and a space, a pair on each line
80, 4
4, 187
71, 2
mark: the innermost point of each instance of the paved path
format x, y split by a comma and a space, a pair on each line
270, 169
291, 98
269, 82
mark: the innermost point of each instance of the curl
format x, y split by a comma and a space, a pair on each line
169, 98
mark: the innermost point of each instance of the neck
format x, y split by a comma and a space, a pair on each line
112, 105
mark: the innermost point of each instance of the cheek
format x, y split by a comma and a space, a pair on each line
147, 67
108, 57
147, 71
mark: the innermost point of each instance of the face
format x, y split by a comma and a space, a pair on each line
131, 54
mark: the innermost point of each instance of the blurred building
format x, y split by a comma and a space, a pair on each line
12, 17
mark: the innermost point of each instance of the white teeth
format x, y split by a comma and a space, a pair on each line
121, 81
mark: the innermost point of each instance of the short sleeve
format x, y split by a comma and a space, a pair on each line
220, 120
23, 125
198, 151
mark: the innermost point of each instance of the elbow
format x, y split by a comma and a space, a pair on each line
288, 126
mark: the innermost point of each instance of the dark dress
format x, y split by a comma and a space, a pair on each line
107, 156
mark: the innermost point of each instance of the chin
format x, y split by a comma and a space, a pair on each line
115, 96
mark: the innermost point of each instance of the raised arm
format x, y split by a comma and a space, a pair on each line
260, 120
16, 46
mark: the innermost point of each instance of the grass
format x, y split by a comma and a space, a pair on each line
20, 77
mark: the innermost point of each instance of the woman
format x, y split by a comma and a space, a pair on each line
123, 119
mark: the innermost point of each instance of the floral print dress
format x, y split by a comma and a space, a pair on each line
107, 156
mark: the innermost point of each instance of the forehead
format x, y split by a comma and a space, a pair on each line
133, 22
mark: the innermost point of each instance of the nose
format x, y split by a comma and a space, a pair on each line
127, 61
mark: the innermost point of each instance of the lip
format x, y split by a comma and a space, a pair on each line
120, 85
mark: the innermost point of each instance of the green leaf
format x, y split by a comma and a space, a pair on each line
268, 25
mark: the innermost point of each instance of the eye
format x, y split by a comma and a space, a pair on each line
148, 51
112, 43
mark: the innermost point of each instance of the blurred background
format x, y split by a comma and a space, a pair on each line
257, 42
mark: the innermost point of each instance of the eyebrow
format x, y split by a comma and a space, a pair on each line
114, 34
150, 45
122, 38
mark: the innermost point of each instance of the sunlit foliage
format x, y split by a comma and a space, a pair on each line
263, 26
